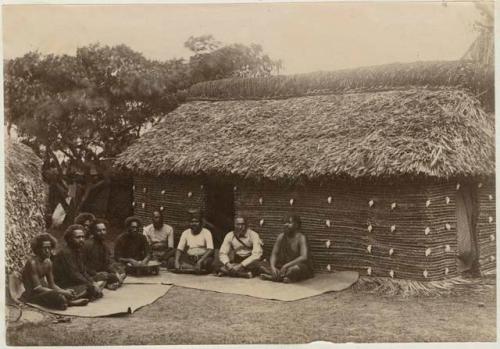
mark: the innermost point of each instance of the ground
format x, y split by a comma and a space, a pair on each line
189, 316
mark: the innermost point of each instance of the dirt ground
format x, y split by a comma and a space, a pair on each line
189, 316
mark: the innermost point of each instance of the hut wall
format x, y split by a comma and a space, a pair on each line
486, 227
25, 202
173, 195
385, 238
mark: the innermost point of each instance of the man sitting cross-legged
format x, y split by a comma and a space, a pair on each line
196, 248
69, 267
161, 240
98, 257
38, 279
132, 247
241, 251
290, 258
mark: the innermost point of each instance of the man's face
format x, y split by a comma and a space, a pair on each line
240, 226
195, 225
45, 249
133, 227
157, 221
78, 238
86, 225
289, 226
100, 231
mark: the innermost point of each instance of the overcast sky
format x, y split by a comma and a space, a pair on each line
307, 37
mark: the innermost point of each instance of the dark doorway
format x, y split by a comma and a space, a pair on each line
467, 213
219, 212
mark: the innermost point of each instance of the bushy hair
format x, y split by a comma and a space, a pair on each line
93, 226
37, 241
68, 233
84, 216
131, 219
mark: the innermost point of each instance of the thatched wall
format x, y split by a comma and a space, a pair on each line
345, 219
25, 199
486, 227
173, 195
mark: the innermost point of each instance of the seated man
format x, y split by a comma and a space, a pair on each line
86, 220
196, 248
241, 251
132, 247
290, 259
69, 266
38, 279
161, 240
98, 257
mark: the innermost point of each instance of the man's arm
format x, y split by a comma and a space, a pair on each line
256, 251
303, 254
147, 251
170, 239
224, 249
35, 280
209, 243
276, 250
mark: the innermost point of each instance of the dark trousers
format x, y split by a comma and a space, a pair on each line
256, 267
300, 271
189, 262
49, 299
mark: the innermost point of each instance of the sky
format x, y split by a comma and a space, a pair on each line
305, 36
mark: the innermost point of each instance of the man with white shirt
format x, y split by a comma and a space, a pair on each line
241, 251
161, 240
196, 248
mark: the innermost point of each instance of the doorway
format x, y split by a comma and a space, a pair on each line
219, 209
467, 213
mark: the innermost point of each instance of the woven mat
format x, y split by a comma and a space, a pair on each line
255, 287
124, 300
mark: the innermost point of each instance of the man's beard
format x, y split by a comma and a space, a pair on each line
158, 225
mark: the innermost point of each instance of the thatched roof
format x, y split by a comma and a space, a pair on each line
25, 197
462, 74
415, 131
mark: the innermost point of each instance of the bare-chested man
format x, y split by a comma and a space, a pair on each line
38, 279
290, 259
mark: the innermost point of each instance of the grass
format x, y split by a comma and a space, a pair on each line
189, 316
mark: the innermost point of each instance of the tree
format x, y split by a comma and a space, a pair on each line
77, 111
88, 107
213, 61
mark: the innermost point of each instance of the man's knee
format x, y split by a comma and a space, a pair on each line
59, 302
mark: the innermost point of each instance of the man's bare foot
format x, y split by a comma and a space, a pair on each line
113, 287
286, 280
266, 277
78, 302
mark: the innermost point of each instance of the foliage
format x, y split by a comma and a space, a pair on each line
91, 106
211, 61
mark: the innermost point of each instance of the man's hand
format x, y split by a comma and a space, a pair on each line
198, 265
283, 270
238, 267
96, 289
69, 293
276, 273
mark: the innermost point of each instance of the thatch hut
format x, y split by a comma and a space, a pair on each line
25, 200
391, 168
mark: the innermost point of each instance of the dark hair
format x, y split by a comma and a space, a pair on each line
84, 216
296, 219
68, 233
195, 213
37, 241
242, 217
131, 219
93, 227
